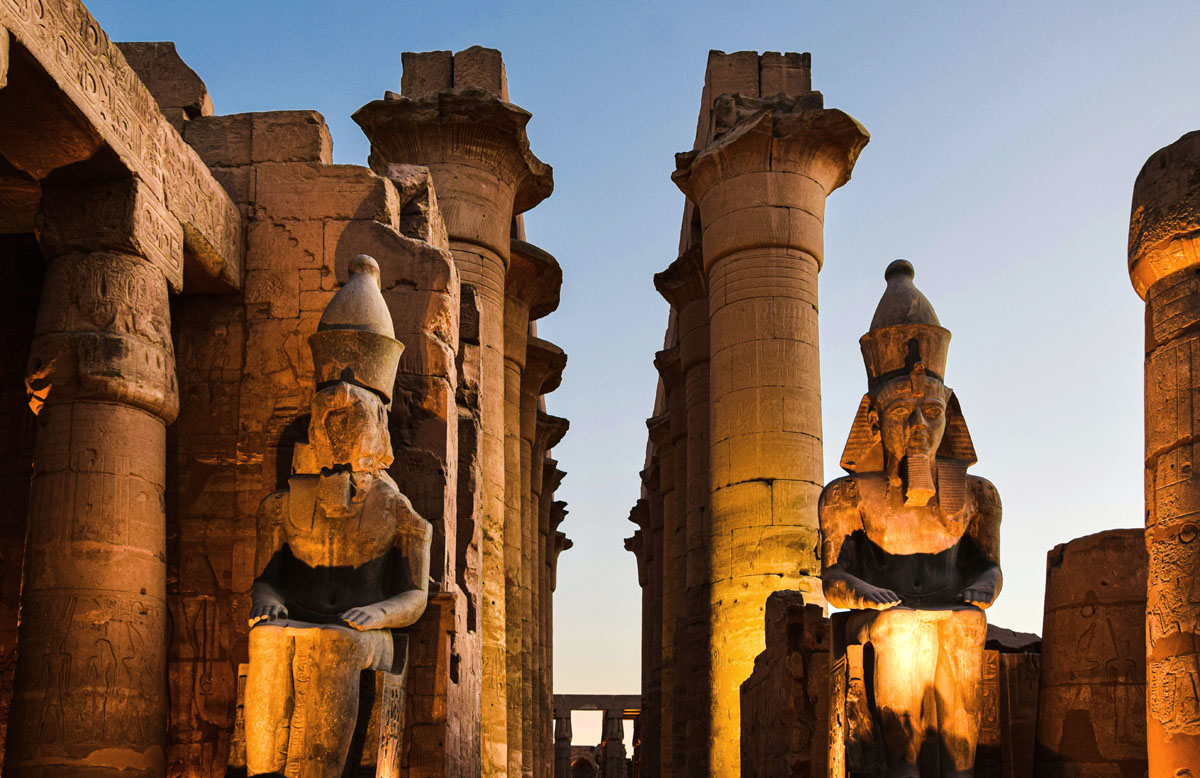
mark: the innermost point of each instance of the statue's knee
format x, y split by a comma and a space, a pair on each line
893, 622
970, 623
267, 638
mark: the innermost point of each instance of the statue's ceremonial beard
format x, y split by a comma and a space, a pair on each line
920, 480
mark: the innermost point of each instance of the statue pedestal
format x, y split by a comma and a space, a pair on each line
1007, 717
378, 736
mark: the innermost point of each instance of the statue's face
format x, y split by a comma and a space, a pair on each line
911, 424
348, 427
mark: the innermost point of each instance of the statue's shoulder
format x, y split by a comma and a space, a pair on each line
984, 495
409, 523
841, 492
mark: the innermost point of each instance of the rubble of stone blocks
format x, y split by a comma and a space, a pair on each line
167, 302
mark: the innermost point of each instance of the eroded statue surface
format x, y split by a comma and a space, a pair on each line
911, 542
342, 557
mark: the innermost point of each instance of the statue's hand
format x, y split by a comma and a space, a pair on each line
268, 611
876, 598
981, 594
367, 617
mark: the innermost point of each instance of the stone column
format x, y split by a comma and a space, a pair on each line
1092, 694
531, 292
90, 689
543, 373
562, 744
682, 284
1164, 254
760, 188
660, 436
546, 477
475, 146
612, 746
643, 548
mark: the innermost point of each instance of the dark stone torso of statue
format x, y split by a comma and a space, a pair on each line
342, 557
911, 542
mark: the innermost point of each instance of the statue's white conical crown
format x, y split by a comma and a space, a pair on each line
356, 340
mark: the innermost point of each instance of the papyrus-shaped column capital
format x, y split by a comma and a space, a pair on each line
1164, 222
534, 277
475, 145
763, 182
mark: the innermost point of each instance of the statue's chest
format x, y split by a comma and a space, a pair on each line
922, 530
339, 534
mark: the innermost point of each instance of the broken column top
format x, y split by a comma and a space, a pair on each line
427, 72
1164, 222
751, 74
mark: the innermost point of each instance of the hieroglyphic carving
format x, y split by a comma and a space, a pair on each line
78, 55
95, 675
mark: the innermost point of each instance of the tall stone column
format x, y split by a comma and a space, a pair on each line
475, 146
90, 694
531, 292
682, 284
660, 436
546, 434
760, 187
1164, 257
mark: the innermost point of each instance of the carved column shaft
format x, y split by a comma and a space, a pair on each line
1164, 254
90, 687
562, 744
761, 191
660, 434
544, 478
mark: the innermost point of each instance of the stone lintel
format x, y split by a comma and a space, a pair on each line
477, 67
683, 282
92, 73
121, 215
786, 135
1164, 221
550, 431
534, 276
629, 704
470, 126
179, 91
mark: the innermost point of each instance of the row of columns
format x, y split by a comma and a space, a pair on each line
736, 461
474, 143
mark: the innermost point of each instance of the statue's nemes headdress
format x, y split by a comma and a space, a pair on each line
355, 341
906, 340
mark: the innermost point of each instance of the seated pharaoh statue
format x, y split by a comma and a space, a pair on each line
911, 542
342, 557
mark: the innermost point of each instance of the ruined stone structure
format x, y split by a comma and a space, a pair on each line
610, 755
164, 269
728, 513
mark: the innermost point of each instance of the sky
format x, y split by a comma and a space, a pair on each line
1005, 139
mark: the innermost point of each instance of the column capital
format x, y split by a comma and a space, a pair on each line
122, 215
670, 369
534, 277
782, 134
660, 429
558, 514
635, 544
552, 477
466, 126
683, 282
1164, 221
550, 430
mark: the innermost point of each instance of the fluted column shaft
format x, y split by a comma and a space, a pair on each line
1164, 255
90, 689
761, 192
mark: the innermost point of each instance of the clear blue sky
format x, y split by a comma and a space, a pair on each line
1005, 140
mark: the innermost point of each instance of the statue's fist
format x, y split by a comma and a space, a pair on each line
980, 594
268, 611
877, 598
368, 617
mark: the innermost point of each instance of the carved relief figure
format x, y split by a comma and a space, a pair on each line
342, 559
911, 542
